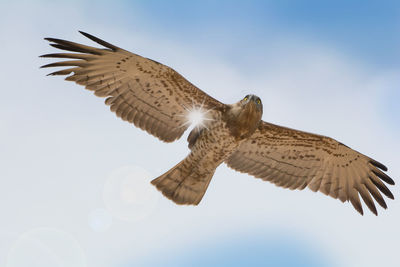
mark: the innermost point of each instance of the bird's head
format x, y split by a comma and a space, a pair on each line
252, 102
244, 116
248, 109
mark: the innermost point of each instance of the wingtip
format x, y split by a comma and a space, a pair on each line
99, 41
383, 176
43, 56
378, 165
86, 34
49, 39
48, 65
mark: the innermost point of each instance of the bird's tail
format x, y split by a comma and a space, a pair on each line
184, 183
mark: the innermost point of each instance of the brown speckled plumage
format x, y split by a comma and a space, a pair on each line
156, 99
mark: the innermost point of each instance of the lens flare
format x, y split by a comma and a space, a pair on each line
197, 116
100, 220
46, 247
128, 194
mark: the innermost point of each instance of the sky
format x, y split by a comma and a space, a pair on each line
75, 183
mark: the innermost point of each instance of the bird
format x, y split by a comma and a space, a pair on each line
160, 101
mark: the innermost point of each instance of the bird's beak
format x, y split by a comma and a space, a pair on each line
252, 105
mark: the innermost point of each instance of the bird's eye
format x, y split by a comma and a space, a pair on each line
258, 101
245, 99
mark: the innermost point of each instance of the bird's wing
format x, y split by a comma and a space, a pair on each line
151, 95
295, 160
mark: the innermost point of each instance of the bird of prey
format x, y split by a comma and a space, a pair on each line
157, 99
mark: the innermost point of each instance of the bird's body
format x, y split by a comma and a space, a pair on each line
210, 146
160, 101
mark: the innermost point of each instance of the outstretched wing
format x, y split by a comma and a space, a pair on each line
151, 95
295, 160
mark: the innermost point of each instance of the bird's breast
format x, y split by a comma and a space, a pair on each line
242, 124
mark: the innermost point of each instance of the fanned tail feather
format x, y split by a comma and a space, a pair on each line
184, 184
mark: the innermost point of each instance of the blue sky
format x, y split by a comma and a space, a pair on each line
367, 29
330, 68
250, 249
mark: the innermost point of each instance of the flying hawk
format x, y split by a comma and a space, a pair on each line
160, 101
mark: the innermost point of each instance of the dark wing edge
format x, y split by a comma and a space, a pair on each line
152, 96
294, 159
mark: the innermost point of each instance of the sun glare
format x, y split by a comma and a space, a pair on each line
196, 117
